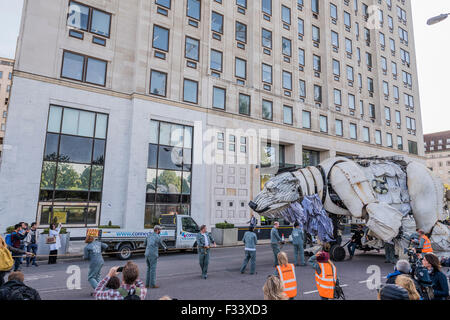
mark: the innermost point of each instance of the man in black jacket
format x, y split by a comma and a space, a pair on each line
15, 289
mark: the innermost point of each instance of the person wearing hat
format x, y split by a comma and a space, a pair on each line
93, 253
152, 244
325, 274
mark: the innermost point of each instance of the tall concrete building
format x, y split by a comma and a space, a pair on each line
125, 110
437, 152
6, 69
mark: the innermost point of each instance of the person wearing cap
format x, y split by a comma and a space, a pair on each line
297, 241
326, 274
93, 253
392, 292
152, 244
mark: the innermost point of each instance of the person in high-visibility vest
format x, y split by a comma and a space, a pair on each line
425, 243
286, 272
326, 274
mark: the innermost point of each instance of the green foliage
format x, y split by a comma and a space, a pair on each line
224, 225
10, 229
63, 231
109, 227
71, 176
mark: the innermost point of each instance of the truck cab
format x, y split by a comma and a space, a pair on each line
178, 232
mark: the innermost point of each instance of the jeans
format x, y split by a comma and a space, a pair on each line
276, 250
298, 251
249, 256
32, 248
94, 274
151, 261
351, 248
17, 262
203, 259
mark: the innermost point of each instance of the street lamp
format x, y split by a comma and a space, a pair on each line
437, 19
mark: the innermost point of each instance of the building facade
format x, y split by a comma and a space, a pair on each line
437, 152
6, 70
126, 110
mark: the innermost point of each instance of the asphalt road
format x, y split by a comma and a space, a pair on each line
178, 276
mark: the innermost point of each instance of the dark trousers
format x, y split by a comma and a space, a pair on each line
52, 256
351, 248
32, 248
17, 262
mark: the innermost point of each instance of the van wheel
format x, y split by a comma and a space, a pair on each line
125, 252
337, 253
195, 248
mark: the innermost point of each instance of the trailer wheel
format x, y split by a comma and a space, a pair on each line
125, 251
337, 253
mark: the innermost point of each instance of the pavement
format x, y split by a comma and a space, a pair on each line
178, 275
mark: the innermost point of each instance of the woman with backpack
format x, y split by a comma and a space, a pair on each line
6, 258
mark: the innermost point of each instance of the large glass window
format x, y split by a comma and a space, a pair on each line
192, 48
266, 73
306, 119
286, 47
241, 68
267, 110
311, 158
241, 32
217, 22
216, 60
168, 172
89, 19
219, 98
287, 115
267, 38
160, 38
353, 131
72, 171
323, 124
339, 129
267, 6
286, 14
287, 80
244, 104
190, 91
193, 9
158, 83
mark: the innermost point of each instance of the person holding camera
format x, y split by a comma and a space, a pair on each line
440, 285
132, 288
152, 244
275, 241
17, 236
55, 242
402, 268
204, 243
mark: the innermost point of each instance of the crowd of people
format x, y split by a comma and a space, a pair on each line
281, 285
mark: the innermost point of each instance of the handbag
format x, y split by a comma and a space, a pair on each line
50, 240
6, 260
338, 292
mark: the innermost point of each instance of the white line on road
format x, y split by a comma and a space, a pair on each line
309, 292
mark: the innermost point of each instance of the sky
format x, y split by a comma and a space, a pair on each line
432, 51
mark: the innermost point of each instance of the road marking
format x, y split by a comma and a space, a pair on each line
38, 277
309, 292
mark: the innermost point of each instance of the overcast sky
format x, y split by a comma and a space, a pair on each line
432, 48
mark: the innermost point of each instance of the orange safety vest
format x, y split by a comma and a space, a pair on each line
326, 280
426, 245
287, 277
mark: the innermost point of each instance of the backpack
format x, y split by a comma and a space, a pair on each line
133, 294
6, 260
8, 239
